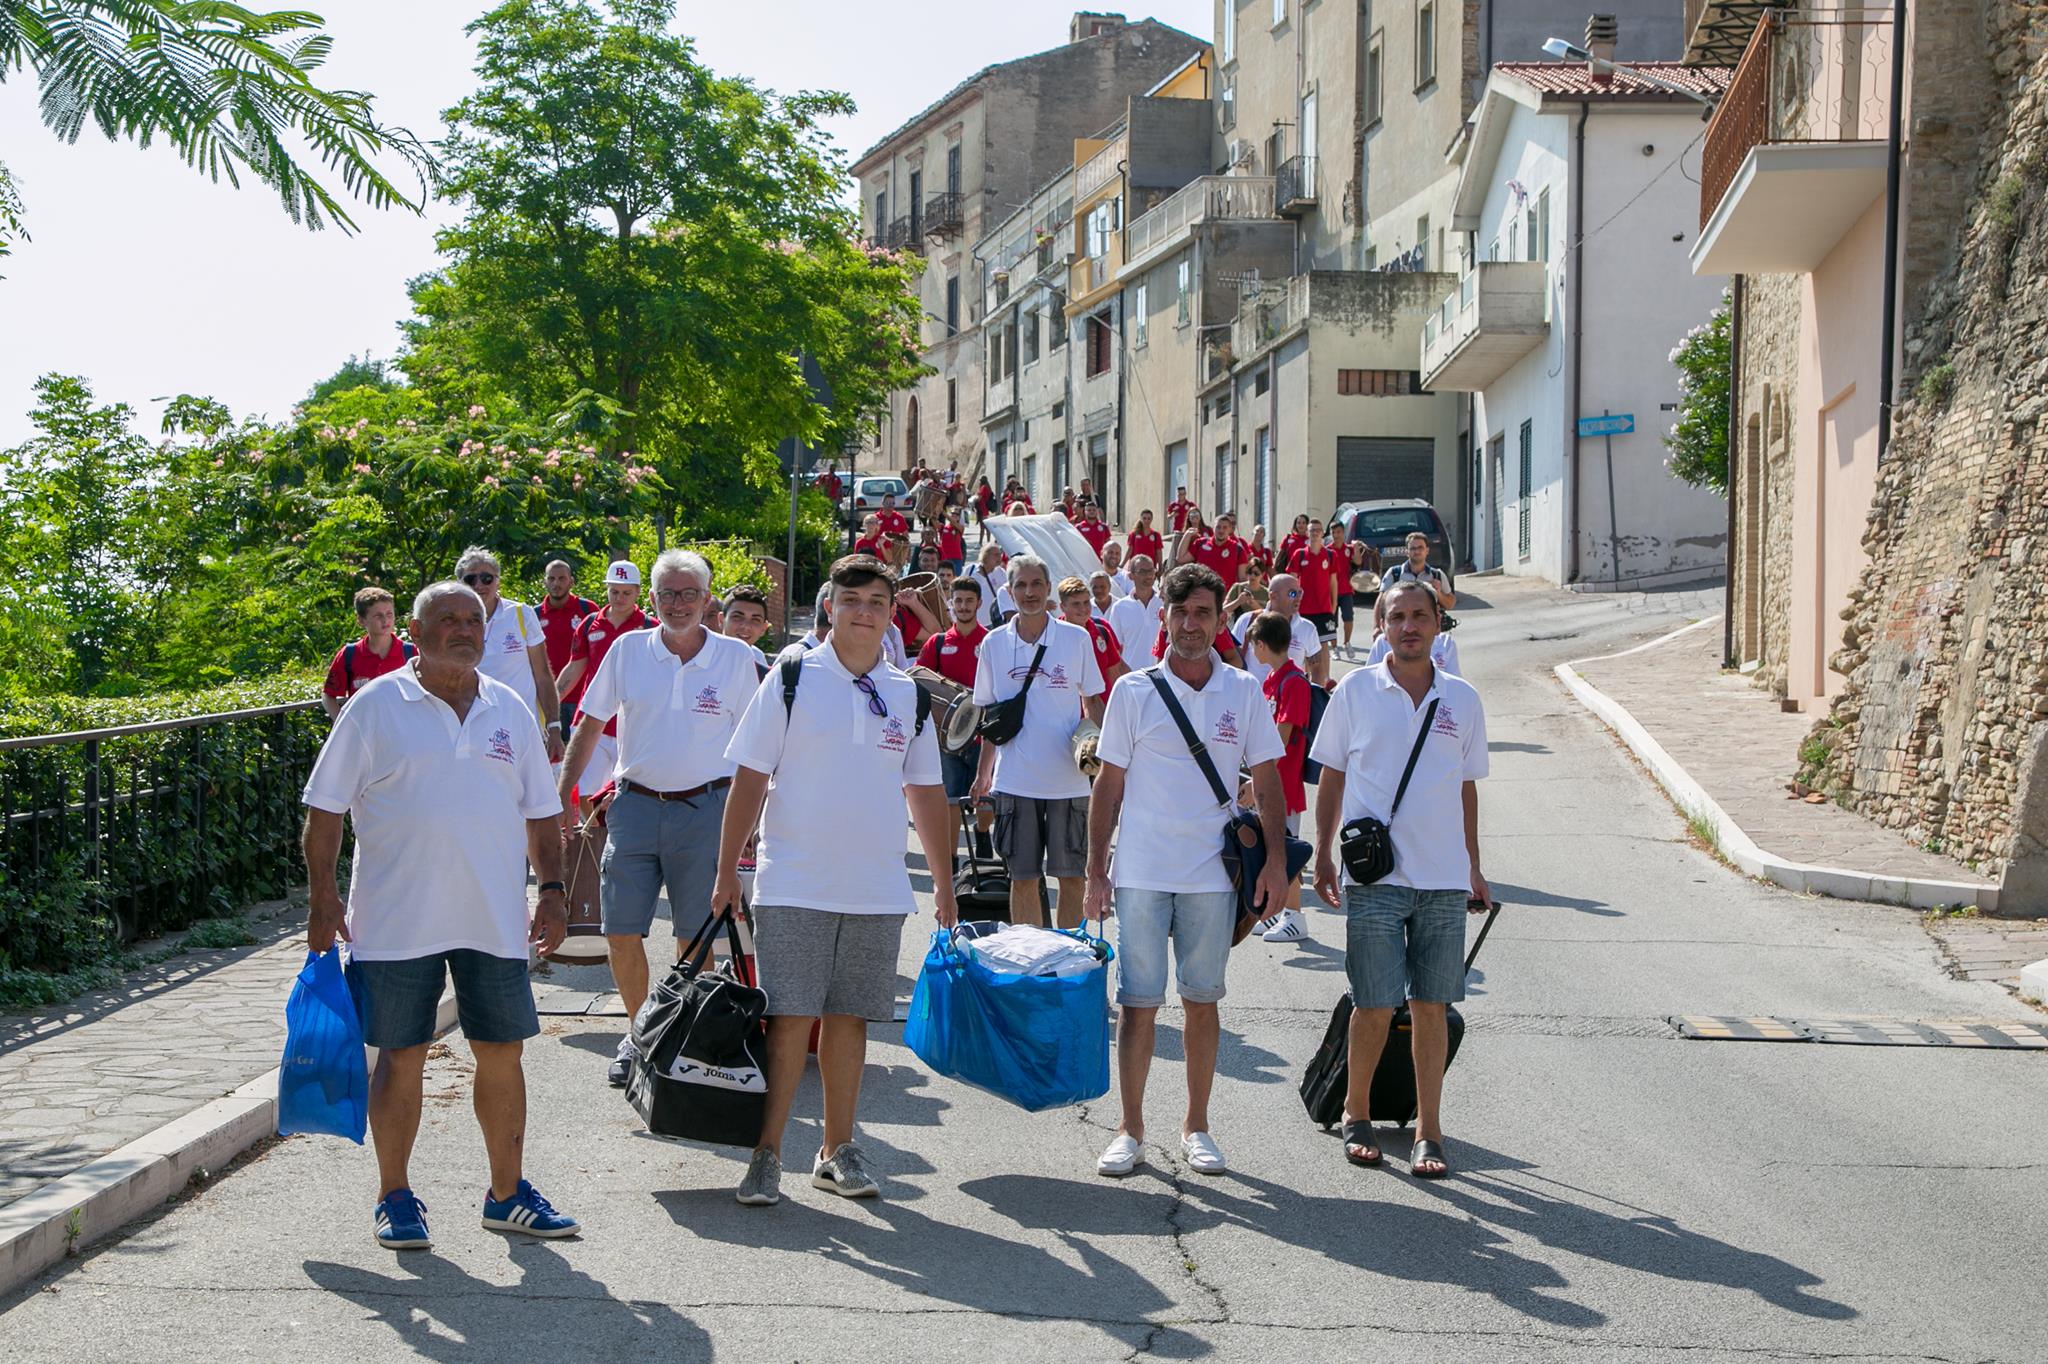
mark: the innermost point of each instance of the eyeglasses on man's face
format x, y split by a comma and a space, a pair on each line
876, 705
678, 596
479, 579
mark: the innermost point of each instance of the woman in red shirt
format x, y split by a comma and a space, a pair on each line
1294, 539
1184, 545
1145, 540
952, 544
1258, 551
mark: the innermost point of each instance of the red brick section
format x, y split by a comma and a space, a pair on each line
778, 587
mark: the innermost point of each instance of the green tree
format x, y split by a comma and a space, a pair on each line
227, 86
653, 245
363, 372
1698, 440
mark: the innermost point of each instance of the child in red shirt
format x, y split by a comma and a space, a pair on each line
1287, 690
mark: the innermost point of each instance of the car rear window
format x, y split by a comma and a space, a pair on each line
1386, 521
881, 487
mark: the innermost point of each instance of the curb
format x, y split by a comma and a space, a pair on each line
1842, 883
2034, 982
62, 1217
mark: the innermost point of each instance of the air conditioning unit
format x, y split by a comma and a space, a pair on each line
1239, 153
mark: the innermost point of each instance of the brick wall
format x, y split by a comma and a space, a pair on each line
1947, 646
1761, 582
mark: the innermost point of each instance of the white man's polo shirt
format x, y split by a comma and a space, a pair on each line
1443, 651
675, 718
439, 807
832, 828
1137, 624
1368, 732
1039, 762
1170, 833
1303, 643
512, 629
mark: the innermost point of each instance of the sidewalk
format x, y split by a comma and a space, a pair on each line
1727, 753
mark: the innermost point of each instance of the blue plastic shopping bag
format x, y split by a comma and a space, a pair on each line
323, 1084
1038, 1041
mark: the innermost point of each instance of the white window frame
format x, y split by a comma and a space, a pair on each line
1425, 44
1229, 34
1141, 316
1184, 292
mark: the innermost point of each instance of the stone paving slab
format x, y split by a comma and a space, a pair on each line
1990, 949
91, 1076
1744, 751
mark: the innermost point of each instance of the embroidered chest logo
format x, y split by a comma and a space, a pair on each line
499, 746
1226, 727
707, 701
1446, 723
893, 738
597, 636
513, 644
1056, 675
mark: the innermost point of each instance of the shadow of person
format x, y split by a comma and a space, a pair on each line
952, 1263
1649, 1242
1507, 894
1397, 1241
435, 1310
1236, 1058
1311, 954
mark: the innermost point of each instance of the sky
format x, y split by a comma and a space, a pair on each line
149, 280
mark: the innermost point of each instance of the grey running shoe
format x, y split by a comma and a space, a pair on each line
761, 1186
845, 1173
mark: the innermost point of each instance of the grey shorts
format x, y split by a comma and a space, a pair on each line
1038, 838
650, 844
819, 961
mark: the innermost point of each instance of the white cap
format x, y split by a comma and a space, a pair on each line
623, 573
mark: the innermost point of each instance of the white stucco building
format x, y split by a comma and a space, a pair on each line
1578, 202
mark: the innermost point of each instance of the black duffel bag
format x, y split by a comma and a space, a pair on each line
701, 1046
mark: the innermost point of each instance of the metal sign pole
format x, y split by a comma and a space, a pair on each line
1613, 530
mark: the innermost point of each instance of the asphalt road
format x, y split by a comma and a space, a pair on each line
1619, 1193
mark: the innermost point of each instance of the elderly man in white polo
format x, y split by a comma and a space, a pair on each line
677, 693
441, 770
515, 644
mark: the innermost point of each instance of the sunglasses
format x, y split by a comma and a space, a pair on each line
876, 705
479, 579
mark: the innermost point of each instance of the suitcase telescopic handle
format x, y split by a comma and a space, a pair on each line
1484, 929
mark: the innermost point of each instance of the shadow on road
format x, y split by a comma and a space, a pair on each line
1510, 746
1506, 893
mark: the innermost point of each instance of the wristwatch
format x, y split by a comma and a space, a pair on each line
547, 886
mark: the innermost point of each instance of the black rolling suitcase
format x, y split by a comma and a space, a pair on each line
982, 885
1393, 1084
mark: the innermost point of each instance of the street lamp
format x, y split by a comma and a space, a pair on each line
1572, 52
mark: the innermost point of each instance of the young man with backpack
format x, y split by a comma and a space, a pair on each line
1404, 931
849, 745
379, 651
1270, 637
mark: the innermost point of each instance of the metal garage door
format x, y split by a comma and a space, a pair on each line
1369, 467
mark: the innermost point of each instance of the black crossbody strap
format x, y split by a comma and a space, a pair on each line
1428, 719
1036, 659
1187, 732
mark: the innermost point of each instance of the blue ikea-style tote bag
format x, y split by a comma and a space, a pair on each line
323, 1084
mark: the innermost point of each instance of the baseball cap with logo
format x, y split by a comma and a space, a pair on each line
624, 573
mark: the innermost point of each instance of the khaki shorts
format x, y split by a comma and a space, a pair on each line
1039, 838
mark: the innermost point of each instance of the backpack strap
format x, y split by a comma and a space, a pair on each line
924, 710
792, 673
348, 664
406, 645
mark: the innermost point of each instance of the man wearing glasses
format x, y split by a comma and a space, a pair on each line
845, 753
515, 647
677, 693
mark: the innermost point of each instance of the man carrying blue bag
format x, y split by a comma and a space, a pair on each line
443, 773
323, 1086
1169, 879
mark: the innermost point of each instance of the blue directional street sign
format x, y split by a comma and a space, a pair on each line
1613, 424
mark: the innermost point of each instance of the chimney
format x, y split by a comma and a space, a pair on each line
1089, 24
1601, 31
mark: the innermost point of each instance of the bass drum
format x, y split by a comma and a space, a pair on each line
954, 714
585, 944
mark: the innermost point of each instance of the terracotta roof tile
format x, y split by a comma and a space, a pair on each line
1572, 78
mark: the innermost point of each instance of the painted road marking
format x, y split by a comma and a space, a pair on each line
1866, 1032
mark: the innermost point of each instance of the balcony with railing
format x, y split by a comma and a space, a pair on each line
907, 233
1295, 185
1266, 313
1100, 169
1716, 31
1795, 152
944, 215
1498, 314
1209, 199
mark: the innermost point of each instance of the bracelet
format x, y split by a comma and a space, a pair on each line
547, 886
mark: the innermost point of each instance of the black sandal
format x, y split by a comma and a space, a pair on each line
1428, 1151
1358, 1132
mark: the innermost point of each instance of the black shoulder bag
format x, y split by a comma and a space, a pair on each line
1244, 834
1367, 844
1001, 721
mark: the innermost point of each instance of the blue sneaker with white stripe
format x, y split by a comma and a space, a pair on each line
526, 1211
402, 1222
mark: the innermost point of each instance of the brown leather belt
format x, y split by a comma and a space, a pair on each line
706, 789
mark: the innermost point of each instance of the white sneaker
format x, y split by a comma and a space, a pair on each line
1121, 1156
1290, 926
1202, 1154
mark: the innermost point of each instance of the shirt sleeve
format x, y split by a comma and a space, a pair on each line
336, 685
921, 759
1091, 671
1291, 706
1262, 737
1120, 724
757, 741
984, 675
1332, 747
1475, 741
538, 798
535, 637
928, 656
342, 770
1451, 657
601, 692
579, 641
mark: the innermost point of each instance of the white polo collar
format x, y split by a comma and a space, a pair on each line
1382, 673
409, 686
1182, 689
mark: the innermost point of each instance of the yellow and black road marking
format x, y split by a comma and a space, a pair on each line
1716, 1028
1866, 1032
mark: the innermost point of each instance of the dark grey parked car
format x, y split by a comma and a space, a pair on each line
1387, 524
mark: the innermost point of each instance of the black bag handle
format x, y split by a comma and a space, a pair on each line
706, 937
1428, 719
1187, 732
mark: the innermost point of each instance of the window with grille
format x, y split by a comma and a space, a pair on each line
1528, 471
1101, 340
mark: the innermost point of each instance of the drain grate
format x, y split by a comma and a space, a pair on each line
1866, 1032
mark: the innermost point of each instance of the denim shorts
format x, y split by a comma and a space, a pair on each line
957, 770
1198, 923
651, 844
1344, 606
1402, 944
395, 1000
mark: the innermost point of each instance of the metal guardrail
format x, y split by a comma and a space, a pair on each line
154, 825
1806, 76
1211, 197
1295, 183
944, 215
1101, 168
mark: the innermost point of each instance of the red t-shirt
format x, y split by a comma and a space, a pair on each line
1177, 513
1340, 573
912, 627
892, 523
952, 654
346, 676
1147, 542
1095, 533
871, 544
1289, 543
558, 626
1287, 688
984, 501
1108, 651
1222, 555
828, 484
951, 546
1262, 555
595, 635
1317, 569
1225, 642
1065, 509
